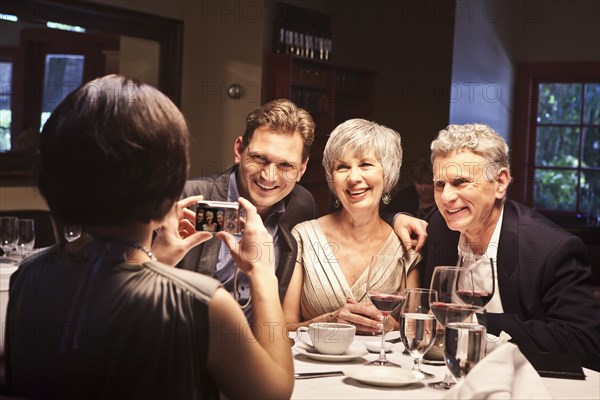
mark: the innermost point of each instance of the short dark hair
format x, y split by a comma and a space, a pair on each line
112, 153
284, 117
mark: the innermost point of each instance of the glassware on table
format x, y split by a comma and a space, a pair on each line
386, 285
465, 338
418, 326
26, 238
8, 237
444, 286
478, 282
72, 232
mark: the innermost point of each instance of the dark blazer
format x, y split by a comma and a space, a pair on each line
545, 283
299, 206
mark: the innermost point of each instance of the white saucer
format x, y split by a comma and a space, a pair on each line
383, 376
374, 346
356, 349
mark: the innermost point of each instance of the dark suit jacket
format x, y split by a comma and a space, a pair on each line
299, 206
545, 283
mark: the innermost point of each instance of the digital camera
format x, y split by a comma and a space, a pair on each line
216, 216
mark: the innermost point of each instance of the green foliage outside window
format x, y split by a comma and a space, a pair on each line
561, 126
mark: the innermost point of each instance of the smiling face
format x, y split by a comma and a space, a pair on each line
468, 202
358, 180
270, 167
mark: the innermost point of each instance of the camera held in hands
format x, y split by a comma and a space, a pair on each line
216, 216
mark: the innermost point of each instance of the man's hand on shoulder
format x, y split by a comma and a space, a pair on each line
411, 231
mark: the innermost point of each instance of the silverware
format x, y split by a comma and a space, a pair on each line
309, 375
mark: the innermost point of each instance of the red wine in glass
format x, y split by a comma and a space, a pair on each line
478, 298
386, 303
386, 284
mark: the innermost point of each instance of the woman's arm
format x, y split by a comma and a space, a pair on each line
365, 317
251, 361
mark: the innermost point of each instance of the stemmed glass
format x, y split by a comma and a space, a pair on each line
445, 284
465, 338
72, 232
418, 326
386, 284
8, 237
26, 238
480, 279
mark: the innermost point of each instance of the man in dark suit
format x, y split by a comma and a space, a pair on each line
544, 299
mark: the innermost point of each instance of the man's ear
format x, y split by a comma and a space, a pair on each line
503, 179
238, 149
302, 170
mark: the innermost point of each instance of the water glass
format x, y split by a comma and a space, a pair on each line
8, 237
465, 339
26, 238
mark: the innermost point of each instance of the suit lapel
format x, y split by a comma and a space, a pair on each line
508, 259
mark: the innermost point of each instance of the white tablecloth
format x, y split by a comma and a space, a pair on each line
341, 387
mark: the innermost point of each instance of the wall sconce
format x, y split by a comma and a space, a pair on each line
235, 91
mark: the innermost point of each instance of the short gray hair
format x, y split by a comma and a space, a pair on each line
361, 135
481, 139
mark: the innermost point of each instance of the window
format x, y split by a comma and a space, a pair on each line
567, 149
63, 73
5, 103
556, 141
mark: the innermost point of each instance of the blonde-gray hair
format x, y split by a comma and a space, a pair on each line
480, 139
360, 136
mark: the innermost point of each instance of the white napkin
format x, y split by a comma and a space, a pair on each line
503, 374
493, 342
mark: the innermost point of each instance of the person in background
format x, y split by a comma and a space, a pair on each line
209, 222
199, 219
544, 298
362, 163
220, 220
416, 199
100, 317
270, 159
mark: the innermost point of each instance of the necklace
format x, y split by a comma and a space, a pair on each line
142, 248
111, 245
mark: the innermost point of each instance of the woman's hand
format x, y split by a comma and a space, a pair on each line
254, 253
365, 317
177, 235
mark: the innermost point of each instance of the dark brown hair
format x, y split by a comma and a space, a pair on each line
284, 117
113, 152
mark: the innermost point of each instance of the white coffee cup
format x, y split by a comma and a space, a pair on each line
328, 337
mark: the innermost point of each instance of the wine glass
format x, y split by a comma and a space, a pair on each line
465, 338
8, 237
445, 285
479, 280
386, 284
418, 326
72, 232
26, 238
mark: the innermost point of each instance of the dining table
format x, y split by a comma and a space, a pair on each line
345, 387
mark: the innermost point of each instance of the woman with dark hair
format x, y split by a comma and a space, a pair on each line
100, 317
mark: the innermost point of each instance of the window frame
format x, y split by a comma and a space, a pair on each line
17, 169
529, 76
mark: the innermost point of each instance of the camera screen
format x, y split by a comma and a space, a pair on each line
215, 219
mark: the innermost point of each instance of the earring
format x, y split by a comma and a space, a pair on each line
386, 198
337, 203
